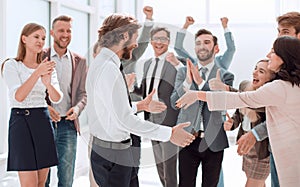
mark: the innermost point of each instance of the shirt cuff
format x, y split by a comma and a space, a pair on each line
76, 109
255, 135
148, 23
182, 30
134, 107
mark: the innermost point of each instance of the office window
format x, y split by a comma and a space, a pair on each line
80, 30
36, 11
248, 11
87, 2
127, 7
106, 7
175, 11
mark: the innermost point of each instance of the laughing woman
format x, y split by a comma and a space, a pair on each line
31, 142
281, 99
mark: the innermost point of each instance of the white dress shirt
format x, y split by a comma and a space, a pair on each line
15, 73
162, 60
64, 75
110, 116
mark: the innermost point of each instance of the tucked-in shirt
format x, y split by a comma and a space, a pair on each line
282, 103
64, 75
110, 116
15, 73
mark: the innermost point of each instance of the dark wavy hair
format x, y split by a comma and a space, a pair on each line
288, 49
113, 27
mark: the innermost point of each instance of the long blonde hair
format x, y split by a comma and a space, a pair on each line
26, 31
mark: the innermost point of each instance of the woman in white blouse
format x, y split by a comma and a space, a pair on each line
281, 99
31, 143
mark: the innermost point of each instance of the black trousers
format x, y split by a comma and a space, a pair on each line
189, 161
115, 168
136, 153
111, 167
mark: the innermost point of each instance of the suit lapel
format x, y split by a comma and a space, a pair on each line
146, 67
144, 81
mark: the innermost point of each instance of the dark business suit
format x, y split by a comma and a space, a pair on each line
165, 153
207, 150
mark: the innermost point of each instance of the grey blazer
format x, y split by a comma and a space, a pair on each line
165, 89
215, 136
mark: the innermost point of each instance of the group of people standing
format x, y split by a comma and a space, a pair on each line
184, 100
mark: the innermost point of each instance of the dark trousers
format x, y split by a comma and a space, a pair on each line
111, 168
165, 155
136, 153
189, 161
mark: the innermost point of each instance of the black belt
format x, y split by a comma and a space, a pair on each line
63, 118
199, 134
125, 144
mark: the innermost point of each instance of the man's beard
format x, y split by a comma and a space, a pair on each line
127, 51
60, 46
206, 57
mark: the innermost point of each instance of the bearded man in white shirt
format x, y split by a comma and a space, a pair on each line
110, 117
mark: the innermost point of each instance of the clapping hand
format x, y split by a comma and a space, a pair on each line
45, 70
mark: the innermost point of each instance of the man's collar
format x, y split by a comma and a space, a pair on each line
162, 56
110, 55
54, 53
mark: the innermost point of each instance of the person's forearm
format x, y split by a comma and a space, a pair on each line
23, 91
201, 95
54, 95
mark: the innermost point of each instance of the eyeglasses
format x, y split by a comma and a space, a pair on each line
161, 39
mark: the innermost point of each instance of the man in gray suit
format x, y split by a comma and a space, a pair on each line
159, 73
211, 139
